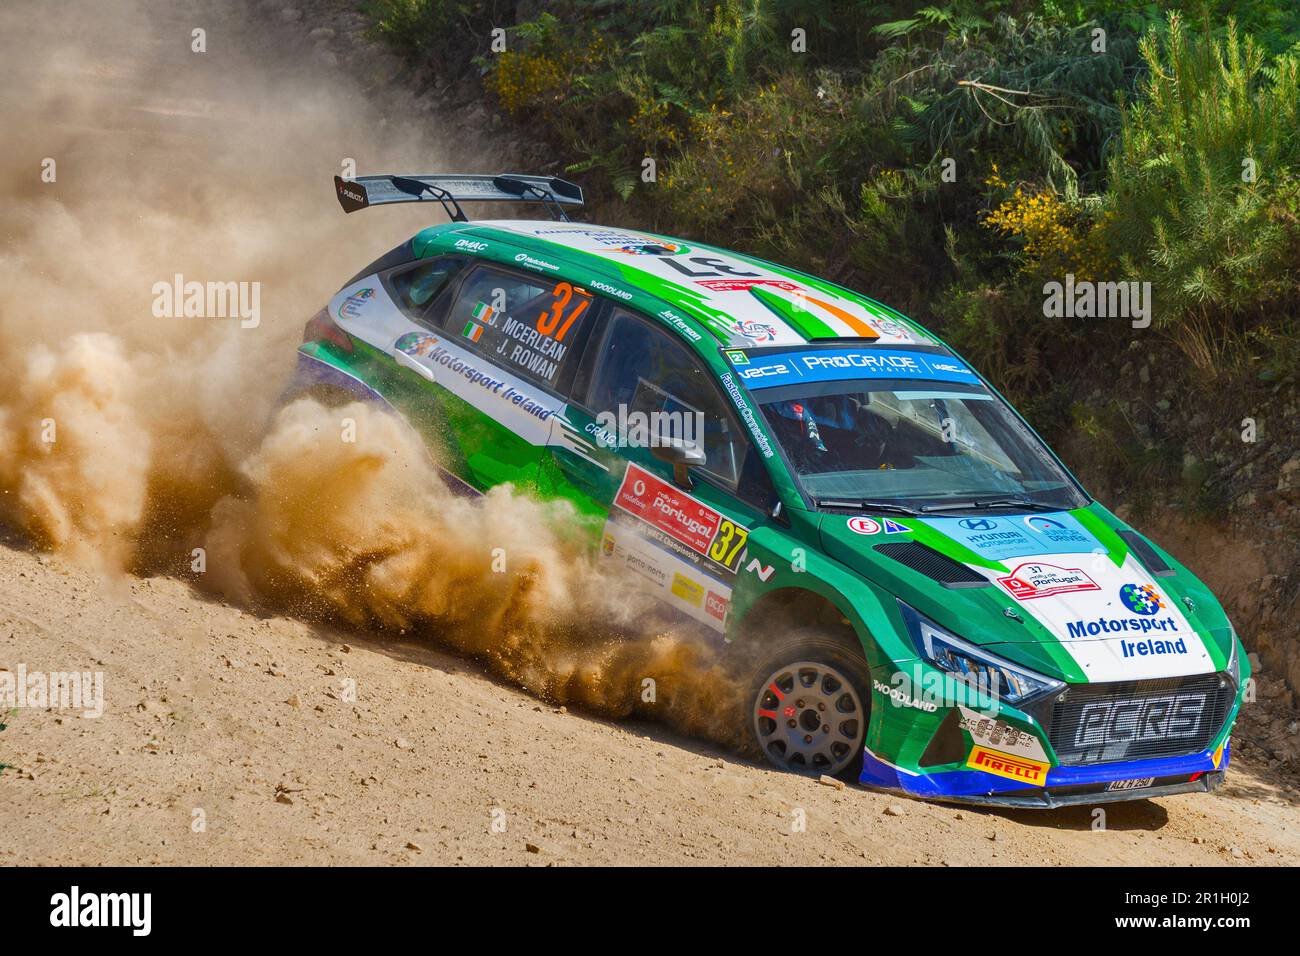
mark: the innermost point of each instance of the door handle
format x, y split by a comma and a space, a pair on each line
414, 364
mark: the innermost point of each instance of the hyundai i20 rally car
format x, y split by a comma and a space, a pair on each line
926, 599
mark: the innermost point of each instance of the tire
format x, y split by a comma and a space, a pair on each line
810, 676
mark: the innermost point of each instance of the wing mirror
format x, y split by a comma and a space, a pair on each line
683, 456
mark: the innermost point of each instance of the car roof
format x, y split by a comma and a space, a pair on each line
743, 301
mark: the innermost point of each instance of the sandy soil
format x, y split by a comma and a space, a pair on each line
212, 710
229, 737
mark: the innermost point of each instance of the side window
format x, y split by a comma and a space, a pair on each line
525, 324
642, 369
414, 288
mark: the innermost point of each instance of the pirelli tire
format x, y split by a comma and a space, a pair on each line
808, 704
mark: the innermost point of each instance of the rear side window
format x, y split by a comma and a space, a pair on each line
524, 324
415, 288
642, 369
389, 260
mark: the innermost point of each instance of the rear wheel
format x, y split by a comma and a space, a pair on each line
808, 706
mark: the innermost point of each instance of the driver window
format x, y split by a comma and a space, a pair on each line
524, 324
644, 370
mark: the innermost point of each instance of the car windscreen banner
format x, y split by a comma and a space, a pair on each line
763, 369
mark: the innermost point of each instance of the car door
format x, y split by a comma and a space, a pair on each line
420, 293
498, 360
638, 386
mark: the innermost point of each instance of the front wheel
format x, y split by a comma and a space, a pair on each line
808, 706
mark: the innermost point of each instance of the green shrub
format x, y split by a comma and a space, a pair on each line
1201, 191
446, 33
1117, 163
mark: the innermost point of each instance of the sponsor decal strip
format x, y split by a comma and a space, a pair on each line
669, 568
505, 399
831, 365
747, 415
1018, 536
670, 511
1001, 736
725, 291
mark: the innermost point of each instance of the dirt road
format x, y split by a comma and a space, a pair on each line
229, 736
215, 715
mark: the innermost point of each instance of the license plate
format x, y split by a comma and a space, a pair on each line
1136, 784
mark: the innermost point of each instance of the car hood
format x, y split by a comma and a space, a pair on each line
1063, 588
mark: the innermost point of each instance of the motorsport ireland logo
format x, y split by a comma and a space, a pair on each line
1141, 598
353, 305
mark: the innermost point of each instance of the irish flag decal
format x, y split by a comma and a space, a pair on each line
472, 331
485, 313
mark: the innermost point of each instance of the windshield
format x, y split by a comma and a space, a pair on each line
925, 446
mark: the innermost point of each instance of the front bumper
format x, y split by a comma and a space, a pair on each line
1046, 799
1064, 786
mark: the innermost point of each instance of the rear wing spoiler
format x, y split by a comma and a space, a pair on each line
451, 189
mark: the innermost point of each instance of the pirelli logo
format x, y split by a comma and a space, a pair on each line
1005, 765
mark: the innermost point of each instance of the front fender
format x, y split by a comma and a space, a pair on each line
777, 562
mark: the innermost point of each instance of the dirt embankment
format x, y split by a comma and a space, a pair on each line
286, 704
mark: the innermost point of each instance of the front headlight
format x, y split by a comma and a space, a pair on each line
986, 672
1234, 665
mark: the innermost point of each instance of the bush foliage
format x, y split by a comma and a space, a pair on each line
948, 159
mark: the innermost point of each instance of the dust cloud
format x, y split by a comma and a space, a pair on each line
130, 438
365, 531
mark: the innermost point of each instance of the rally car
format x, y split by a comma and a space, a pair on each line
919, 594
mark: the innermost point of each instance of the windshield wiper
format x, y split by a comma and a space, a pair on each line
1018, 502
1026, 503
887, 507
855, 504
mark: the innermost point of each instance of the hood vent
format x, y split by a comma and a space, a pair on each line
1145, 553
932, 564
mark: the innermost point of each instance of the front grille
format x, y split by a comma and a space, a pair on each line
1137, 720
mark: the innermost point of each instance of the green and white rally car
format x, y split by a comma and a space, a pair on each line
922, 596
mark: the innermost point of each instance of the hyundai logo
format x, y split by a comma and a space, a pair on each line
978, 524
